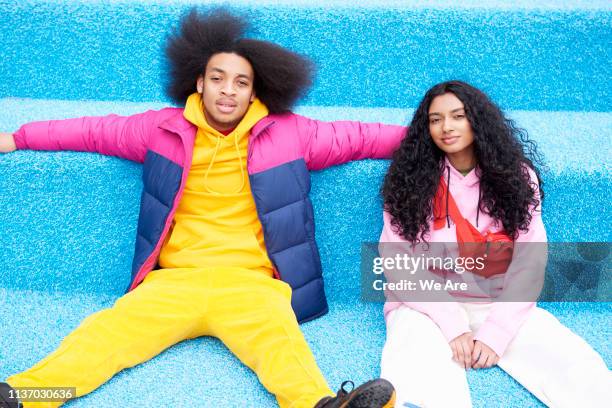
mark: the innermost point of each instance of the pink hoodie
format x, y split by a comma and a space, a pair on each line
505, 318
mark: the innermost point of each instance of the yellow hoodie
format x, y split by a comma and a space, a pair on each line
216, 222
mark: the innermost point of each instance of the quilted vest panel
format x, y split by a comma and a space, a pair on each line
281, 196
161, 180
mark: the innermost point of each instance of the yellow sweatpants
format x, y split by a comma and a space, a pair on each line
248, 311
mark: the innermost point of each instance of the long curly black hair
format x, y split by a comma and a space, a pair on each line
503, 154
282, 77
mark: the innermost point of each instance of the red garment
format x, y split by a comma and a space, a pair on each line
496, 248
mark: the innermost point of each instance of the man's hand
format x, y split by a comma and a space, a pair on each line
7, 143
463, 347
483, 356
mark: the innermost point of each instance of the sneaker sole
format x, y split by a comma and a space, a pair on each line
373, 394
5, 401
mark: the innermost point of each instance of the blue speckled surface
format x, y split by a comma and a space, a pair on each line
524, 57
54, 248
68, 220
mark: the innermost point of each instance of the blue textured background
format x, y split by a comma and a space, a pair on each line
68, 220
553, 59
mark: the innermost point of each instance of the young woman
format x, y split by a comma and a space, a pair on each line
463, 180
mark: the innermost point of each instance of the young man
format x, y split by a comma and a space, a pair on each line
225, 243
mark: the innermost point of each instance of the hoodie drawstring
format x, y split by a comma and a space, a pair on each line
478, 206
447, 195
448, 172
212, 160
242, 176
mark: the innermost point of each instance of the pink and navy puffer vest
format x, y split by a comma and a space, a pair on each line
282, 150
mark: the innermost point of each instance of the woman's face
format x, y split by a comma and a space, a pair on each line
449, 127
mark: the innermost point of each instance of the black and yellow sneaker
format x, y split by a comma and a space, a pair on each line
372, 394
7, 397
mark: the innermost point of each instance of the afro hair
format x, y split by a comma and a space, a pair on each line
282, 77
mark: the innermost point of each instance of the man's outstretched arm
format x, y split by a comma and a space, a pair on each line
331, 143
113, 135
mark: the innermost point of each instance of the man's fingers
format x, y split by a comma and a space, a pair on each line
7, 143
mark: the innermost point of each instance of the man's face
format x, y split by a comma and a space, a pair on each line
227, 90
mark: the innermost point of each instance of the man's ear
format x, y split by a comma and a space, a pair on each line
200, 84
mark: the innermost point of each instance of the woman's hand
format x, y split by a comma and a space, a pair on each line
463, 347
7, 143
483, 356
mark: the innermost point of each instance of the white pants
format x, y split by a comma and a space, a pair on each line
548, 359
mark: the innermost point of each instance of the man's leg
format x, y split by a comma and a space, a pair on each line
165, 309
251, 313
